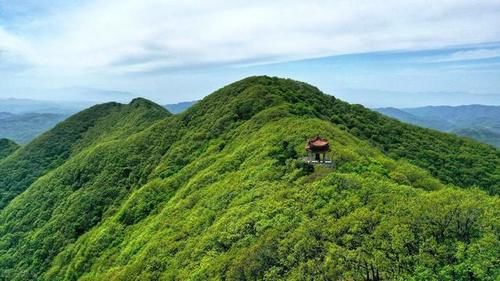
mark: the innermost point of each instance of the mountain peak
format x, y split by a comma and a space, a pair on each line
142, 102
273, 81
249, 96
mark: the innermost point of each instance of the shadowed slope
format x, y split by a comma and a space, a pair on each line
7, 147
51, 149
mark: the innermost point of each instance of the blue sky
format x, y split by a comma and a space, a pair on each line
378, 53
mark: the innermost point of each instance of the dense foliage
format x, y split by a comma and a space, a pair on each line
452, 159
220, 192
482, 134
7, 147
91, 126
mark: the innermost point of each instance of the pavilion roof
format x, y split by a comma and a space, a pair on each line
317, 144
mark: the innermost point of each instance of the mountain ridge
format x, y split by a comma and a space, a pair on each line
480, 122
60, 143
220, 191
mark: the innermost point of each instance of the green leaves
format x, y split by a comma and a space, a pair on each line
7, 147
129, 192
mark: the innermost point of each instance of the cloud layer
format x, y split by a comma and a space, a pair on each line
122, 36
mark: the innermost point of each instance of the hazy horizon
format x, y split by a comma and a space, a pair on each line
376, 53
367, 97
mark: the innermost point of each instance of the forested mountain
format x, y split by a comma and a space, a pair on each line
23, 128
479, 122
7, 147
96, 125
220, 192
482, 134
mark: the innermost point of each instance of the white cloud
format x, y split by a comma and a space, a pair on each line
470, 55
12, 45
145, 35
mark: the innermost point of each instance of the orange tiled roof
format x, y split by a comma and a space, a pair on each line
317, 144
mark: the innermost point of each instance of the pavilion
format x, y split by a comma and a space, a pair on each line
317, 148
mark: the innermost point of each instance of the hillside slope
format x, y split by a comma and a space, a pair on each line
7, 147
48, 151
485, 135
220, 192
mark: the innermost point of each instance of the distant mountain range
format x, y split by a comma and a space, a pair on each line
22, 128
378, 98
92, 95
22, 106
179, 107
72, 94
479, 122
21, 120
